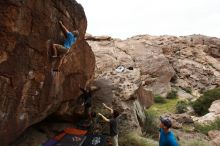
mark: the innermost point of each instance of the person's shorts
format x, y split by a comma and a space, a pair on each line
61, 50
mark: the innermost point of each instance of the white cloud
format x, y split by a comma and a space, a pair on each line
125, 18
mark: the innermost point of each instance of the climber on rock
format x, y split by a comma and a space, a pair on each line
59, 50
113, 124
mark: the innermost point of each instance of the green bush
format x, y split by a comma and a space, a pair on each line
151, 125
202, 104
188, 90
194, 142
205, 128
133, 139
159, 99
181, 106
172, 95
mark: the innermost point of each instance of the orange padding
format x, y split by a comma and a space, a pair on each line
75, 131
59, 137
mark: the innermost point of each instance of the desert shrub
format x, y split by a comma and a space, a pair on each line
202, 104
151, 125
194, 142
205, 128
159, 99
133, 139
188, 90
181, 106
172, 95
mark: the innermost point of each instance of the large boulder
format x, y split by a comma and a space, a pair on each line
134, 54
30, 91
119, 78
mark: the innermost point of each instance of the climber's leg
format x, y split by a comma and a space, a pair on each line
61, 51
59, 64
54, 50
64, 53
58, 50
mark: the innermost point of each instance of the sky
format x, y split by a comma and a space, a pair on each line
126, 18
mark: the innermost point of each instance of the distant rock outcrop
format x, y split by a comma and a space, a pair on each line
29, 90
190, 62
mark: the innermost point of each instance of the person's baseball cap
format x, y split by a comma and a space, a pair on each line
166, 121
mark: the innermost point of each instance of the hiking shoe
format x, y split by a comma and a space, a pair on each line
54, 56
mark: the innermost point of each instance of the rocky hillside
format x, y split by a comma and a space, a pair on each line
185, 62
130, 72
30, 90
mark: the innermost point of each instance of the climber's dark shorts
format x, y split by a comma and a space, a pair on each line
61, 50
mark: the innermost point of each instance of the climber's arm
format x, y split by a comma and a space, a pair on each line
104, 118
110, 109
64, 29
